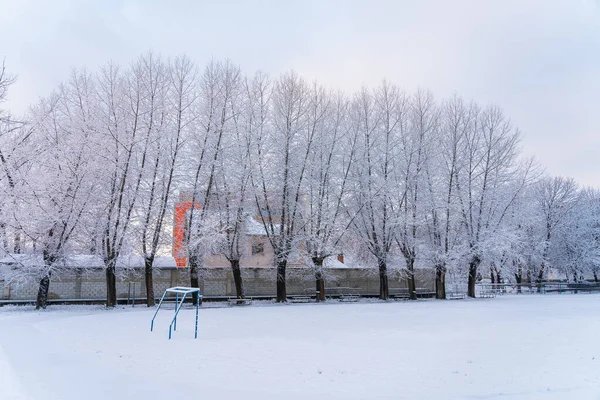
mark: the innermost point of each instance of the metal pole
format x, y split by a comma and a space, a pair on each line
176, 310
174, 322
156, 312
197, 305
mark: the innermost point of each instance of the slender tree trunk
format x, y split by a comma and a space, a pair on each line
194, 262
4, 236
17, 243
412, 284
540, 278
281, 290
237, 279
111, 286
319, 279
492, 276
149, 280
595, 277
440, 282
519, 279
384, 291
42, 296
472, 277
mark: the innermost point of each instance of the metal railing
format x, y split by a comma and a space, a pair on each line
493, 289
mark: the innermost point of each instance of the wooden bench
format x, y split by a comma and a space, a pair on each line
399, 293
455, 296
350, 297
402, 293
487, 293
240, 302
299, 298
344, 293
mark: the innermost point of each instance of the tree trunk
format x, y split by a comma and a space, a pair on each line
440, 282
3, 233
412, 284
492, 276
319, 279
17, 243
148, 261
237, 279
539, 279
194, 282
384, 291
111, 286
519, 280
42, 296
595, 277
281, 292
472, 277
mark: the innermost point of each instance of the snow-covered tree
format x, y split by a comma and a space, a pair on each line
15, 156
397, 178
231, 201
330, 162
219, 84
417, 137
455, 120
169, 91
282, 148
374, 204
485, 184
554, 198
60, 183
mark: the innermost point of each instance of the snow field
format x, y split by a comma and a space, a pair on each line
513, 347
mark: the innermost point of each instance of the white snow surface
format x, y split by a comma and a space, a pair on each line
513, 347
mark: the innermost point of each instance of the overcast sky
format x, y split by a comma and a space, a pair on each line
537, 59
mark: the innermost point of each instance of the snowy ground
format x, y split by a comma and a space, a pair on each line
514, 347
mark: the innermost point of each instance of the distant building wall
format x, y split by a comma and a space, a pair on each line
218, 281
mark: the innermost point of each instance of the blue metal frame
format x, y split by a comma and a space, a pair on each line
178, 304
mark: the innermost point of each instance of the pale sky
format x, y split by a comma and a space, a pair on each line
537, 59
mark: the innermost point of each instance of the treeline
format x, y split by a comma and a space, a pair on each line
397, 180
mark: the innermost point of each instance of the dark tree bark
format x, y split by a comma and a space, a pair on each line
440, 282
319, 279
519, 279
237, 279
384, 291
49, 259
540, 278
148, 278
281, 290
17, 243
42, 296
194, 282
472, 276
412, 284
595, 277
111, 287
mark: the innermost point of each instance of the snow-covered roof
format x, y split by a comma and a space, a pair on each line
256, 228
333, 262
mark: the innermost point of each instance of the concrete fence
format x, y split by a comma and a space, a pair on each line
90, 284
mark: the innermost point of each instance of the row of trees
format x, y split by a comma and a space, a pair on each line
398, 180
